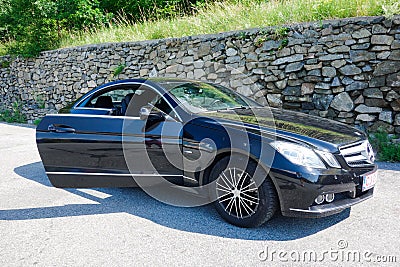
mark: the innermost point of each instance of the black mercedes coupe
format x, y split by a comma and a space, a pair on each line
190, 143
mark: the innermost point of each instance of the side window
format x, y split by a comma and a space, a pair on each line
134, 102
128, 101
110, 99
148, 97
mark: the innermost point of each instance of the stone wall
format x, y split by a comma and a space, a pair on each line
347, 70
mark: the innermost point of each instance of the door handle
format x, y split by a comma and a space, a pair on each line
60, 129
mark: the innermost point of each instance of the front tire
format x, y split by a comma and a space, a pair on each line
238, 199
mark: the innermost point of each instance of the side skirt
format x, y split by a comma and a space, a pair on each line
90, 180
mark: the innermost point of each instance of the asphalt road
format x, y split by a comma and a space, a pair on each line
44, 226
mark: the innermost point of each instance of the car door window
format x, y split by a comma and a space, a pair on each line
127, 101
112, 99
116, 96
148, 97
161, 104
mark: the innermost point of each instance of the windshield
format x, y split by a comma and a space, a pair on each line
198, 97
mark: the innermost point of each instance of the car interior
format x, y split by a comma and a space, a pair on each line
119, 101
104, 101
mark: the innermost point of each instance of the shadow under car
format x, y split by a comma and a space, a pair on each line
134, 201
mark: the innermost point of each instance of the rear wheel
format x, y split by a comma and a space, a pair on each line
238, 199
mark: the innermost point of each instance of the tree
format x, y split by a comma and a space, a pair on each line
80, 14
34, 26
28, 27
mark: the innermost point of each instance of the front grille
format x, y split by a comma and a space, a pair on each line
359, 154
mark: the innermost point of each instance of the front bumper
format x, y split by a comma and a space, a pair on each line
298, 190
328, 209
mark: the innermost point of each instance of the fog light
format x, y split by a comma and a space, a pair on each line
352, 194
319, 199
330, 197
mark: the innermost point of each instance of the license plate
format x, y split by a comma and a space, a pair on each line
369, 181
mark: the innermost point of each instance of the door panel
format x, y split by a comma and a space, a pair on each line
78, 150
155, 150
80, 143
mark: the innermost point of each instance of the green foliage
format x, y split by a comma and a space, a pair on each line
144, 10
391, 8
3, 49
40, 101
228, 15
386, 149
28, 24
37, 121
13, 115
5, 64
260, 40
80, 14
30, 27
242, 35
281, 32
118, 70
283, 44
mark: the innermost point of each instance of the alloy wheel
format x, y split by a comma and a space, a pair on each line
237, 193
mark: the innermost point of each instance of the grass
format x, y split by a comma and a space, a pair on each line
386, 149
233, 15
13, 115
37, 121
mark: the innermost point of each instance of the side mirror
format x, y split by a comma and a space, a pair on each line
148, 113
144, 113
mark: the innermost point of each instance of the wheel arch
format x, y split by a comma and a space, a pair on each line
204, 175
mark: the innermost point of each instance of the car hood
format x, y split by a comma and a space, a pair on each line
293, 125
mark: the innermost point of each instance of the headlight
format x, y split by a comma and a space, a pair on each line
298, 154
329, 158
